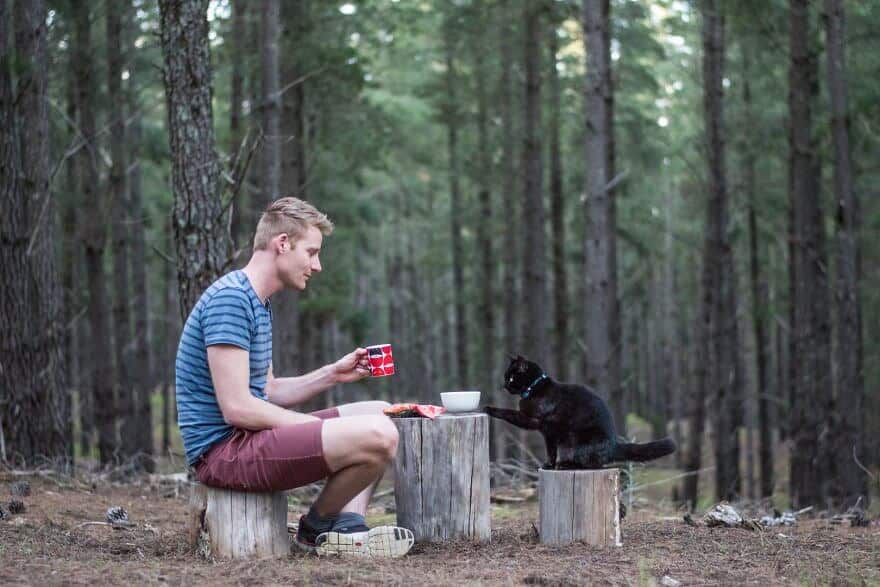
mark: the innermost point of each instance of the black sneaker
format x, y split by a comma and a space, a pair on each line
350, 536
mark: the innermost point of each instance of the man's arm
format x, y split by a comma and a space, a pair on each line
230, 373
292, 391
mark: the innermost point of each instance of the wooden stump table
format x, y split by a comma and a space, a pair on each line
441, 477
235, 525
580, 505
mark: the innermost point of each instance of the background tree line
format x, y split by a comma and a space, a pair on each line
670, 201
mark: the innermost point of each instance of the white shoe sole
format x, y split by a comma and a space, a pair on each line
379, 542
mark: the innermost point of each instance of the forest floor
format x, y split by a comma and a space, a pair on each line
53, 542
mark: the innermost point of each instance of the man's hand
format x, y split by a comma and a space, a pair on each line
352, 367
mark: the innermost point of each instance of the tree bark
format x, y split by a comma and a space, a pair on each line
143, 372
599, 251
120, 227
286, 324
533, 233
270, 102
489, 352
561, 310
199, 227
849, 386
460, 345
34, 407
812, 468
94, 241
723, 339
236, 134
511, 235
760, 301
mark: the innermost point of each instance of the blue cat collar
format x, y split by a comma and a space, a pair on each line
525, 394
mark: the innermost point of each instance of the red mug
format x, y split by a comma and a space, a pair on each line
381, 360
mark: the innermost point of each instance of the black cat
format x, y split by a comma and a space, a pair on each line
575, 422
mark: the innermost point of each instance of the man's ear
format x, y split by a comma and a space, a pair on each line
283, 242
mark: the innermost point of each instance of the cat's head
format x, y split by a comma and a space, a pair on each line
520, 374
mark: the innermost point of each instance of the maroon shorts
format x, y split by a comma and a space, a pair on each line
267, 460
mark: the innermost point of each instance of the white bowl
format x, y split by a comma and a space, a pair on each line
460, 401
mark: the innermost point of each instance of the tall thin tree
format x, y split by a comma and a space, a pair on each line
94, 237
721, 339
599, 250
848, 385
534, 294
120, 229
456, 211
759, 287
144, 376
270, 101
34, 406
561, 315
811, 393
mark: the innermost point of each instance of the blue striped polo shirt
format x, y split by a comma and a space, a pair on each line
229, 312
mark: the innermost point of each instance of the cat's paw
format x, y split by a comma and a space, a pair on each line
548, 466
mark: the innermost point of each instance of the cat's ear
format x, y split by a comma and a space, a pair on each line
511, 357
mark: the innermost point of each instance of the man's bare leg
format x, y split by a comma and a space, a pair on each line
362, 500
357, 450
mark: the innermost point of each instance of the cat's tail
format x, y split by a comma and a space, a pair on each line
644, 451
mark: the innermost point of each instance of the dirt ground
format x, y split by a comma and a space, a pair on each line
53, 542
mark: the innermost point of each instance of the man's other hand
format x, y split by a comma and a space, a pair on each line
352, 367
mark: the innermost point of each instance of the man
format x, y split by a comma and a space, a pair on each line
233, 412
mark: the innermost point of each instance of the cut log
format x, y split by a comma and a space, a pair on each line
226, 524
441, 477
580, 506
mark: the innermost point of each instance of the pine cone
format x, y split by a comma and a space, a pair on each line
15, 506
20, 489
117, 516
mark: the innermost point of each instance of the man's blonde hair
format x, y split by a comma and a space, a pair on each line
292, 216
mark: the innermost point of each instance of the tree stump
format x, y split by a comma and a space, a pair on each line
228, 524
441, 477
580, 505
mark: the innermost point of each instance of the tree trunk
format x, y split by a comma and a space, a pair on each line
456, 212
236, 133
618, 399
92, 218
288, 353
601, 296
143, 372
34, 408
534, 299
71, 275
760, 302
120, 227
849, 386
270, 102
722, 371
812, 402
199, 227
489, 356
511, 234
561, 310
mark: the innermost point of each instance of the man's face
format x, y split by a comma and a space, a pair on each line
299, 259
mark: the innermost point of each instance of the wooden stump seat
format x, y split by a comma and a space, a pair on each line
580, 505
228, 524
441, 477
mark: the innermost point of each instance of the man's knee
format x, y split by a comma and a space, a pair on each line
383, 438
